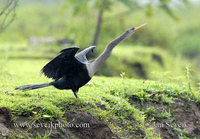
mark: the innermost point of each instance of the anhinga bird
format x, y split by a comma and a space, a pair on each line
71, 71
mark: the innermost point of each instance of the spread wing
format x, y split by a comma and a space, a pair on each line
81, 56
61, 64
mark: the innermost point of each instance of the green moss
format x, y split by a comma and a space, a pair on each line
118, 94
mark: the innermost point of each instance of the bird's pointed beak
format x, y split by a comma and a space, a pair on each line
140, 26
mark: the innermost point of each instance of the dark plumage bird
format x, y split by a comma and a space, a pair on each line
71, 71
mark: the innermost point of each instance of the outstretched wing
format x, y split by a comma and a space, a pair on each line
81, 56
57, 67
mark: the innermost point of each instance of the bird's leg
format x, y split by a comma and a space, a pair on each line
75, 93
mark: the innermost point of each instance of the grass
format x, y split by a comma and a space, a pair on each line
120, 95
130, 102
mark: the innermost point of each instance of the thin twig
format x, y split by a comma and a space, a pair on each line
7, 11
6, 7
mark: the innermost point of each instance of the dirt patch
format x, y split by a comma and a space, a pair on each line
188, 113
5, 121
81, 125
86, 126
160, 125
184, 118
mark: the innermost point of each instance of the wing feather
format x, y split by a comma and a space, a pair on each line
82, 56
57, 67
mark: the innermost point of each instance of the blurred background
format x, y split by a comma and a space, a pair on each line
167, 48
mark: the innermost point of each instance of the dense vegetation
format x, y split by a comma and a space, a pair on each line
154, 89
59, 23
118, 101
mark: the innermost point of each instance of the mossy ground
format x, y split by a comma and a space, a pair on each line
165, 105
131, 108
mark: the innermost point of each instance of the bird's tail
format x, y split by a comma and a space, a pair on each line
31, 87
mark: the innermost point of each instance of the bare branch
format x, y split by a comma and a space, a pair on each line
6, 7
7, 14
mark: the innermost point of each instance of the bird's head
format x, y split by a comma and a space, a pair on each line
133, 29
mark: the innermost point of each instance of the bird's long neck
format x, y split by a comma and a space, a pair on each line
100, 60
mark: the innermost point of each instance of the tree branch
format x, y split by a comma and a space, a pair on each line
98, 25
8, 14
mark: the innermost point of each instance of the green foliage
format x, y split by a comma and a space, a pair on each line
47, 24
146, 62
78, 7
119, 95
85, 6
165, 115
188, 41
75, 29
7, 13
124, 99
161, 31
